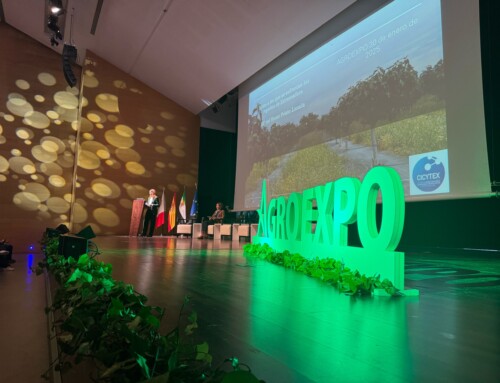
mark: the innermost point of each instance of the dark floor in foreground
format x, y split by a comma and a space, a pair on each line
285, 326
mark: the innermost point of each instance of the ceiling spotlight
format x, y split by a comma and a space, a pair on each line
56, 7
56, 11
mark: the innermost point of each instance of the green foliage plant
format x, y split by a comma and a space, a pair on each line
327, 270
107, 322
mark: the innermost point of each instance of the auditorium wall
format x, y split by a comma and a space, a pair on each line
53, 172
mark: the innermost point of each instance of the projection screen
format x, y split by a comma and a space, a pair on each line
401, 86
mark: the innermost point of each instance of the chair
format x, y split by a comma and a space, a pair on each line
226, 230
185, 226
210, 229
184, 229
219, 230
222, 229
244, 231
245, 225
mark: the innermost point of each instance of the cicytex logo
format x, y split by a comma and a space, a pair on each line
428, 174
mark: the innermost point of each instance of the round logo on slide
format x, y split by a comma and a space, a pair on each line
428, 174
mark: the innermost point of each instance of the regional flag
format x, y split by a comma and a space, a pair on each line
171, 215
194, 206
160, 218
182, 206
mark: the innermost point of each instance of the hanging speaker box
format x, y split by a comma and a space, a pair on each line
69, 58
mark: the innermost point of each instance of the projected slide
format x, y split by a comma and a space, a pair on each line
373, 95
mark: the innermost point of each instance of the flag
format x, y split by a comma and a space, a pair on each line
194, 206
182, 205
171, 215
160, 218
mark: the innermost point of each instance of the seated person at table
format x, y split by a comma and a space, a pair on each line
216, 217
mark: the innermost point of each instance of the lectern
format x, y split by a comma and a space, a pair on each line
136, 215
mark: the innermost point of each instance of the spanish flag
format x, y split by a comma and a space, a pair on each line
171, 215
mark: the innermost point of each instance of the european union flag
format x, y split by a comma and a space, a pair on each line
194, 206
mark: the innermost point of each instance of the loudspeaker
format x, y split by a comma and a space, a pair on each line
62, 229
52, 233
86, 233
69, 58
72, 246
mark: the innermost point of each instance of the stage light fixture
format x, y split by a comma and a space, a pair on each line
52, 24
56, 11
56, 7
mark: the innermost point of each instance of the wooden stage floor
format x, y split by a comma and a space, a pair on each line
290, 328
287, 327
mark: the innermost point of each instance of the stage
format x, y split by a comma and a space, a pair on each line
288, 327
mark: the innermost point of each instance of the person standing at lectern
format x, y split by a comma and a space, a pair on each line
151, 206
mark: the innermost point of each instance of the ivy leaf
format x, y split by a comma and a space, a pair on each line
84, 349
115, 308
79, 275
134, 323
108, 284
153, 321
172, 361
107, 268
193, 317
141, 361
190, 328
202, 352
65, 338
83, 260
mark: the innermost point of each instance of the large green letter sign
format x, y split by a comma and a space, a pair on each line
387, 181
315, 222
